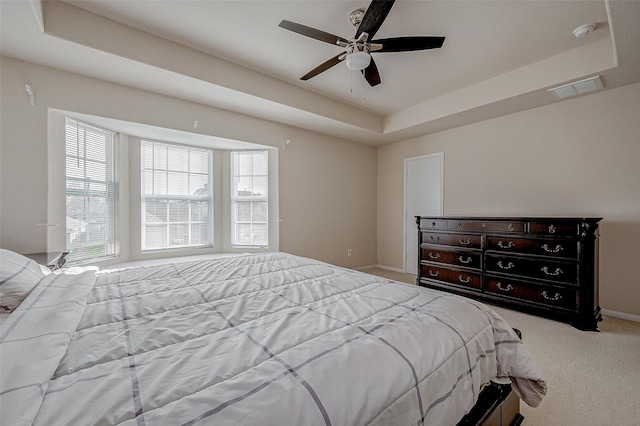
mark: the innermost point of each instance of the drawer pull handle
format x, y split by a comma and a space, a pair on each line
506, 246
462, 280
552, 229
552, 250
459, 224
434, 256
433, 224
435, 239
509, 287
546, 270
510, 227
465, 242
434, 274
553, 298
509, 265
463, 260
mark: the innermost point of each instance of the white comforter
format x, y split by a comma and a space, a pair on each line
269, 339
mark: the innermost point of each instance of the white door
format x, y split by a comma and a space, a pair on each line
423, 196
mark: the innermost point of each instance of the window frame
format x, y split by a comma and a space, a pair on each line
208, 197
109, 194
234, 200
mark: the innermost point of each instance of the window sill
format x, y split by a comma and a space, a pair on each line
175, 249
250, 247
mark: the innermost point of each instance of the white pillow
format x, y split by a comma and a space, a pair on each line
18, 276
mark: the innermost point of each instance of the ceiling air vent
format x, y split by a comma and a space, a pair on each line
577, 87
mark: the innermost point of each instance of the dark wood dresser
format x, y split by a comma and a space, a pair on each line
546, 266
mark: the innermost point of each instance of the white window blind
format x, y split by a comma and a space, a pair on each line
249, 198
176, 196
91, 191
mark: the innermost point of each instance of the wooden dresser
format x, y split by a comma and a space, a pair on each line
546, 266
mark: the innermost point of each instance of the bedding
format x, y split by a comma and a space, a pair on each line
18, 276
269, 339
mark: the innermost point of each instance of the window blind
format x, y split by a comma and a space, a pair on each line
176, 196
249, 198
90, 191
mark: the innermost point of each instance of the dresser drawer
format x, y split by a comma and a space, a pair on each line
435, 224
554, 228
486, 226
461, 278
554, 248
558, 297
563, 272
457, 240
468, 259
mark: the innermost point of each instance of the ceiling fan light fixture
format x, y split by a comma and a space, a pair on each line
358, 60
357, 49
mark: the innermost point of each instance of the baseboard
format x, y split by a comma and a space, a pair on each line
362, 268
621, 315
389, 268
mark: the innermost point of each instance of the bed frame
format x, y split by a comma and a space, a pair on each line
497, 405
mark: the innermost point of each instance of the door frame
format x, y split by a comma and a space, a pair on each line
439, 155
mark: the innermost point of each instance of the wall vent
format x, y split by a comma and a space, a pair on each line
577, 87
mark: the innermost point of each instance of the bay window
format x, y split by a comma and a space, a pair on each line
177, 199
90, 191
249, 198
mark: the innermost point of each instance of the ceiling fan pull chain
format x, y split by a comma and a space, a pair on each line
351, 81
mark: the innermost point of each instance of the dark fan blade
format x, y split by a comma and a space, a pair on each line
311, 32
406, 44
374, 17
371, 74
323, 67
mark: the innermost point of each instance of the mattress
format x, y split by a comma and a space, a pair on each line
271, 339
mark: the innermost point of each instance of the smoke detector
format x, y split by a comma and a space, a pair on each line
584, 30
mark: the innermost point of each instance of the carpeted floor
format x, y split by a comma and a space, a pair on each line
593, 378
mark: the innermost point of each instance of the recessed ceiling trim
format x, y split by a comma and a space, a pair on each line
36, 8
587, 85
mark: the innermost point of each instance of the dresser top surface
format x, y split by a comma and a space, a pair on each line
514, 218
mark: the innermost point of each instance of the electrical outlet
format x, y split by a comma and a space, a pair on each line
349, 252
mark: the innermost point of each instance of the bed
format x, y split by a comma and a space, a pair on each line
271, 339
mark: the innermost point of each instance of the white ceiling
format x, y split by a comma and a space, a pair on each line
498, 56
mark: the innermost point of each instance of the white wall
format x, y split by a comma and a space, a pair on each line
327, 199
578, 158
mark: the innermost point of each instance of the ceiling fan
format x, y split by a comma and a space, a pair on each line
359, 48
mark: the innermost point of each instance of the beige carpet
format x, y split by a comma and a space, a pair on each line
593, 378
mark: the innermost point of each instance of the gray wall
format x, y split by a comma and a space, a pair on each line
327, 199
579, 158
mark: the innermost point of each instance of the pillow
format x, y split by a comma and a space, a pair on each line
18, 276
